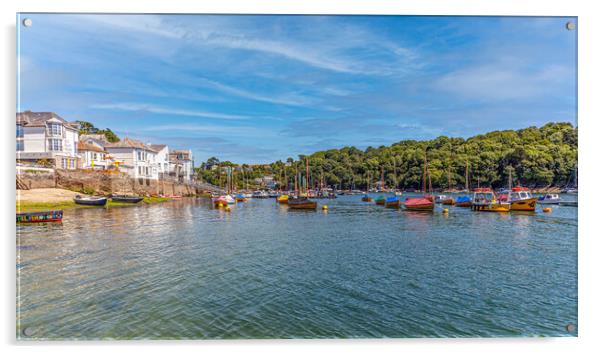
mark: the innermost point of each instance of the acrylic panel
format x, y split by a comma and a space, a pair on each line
285, 176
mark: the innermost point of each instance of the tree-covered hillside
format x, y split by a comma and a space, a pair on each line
537, 157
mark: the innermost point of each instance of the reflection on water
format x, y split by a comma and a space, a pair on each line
185, 269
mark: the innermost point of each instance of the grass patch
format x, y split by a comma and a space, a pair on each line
152, 200
25, 207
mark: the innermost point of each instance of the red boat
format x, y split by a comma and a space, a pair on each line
419, 204
40, 216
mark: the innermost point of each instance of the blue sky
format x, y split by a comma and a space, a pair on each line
257, 89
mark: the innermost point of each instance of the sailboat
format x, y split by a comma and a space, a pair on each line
464, 201
424, 203
303, 202
366, 197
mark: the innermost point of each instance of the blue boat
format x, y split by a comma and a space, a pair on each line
464, 201
392, 202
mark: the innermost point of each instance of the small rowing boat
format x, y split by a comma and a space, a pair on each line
380, 200
96, 201
366, 198
419, 204
463, 201
40, 216
126, 199
302, 203
392, 202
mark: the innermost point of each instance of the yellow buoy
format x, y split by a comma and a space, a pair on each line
445, 211
324, 207
547, 210
227, 208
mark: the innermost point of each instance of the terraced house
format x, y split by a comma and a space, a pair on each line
134, 157
45, 138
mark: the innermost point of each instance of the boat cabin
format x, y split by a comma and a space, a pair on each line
483, 195
520, 193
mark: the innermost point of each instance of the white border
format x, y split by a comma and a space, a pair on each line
589, 167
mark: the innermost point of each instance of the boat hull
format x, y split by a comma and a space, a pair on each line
495, 208
41, 216
448, 202
464, 204
394, 205
523, 205
366, 199
91, 202
126, 199
380, 202
302, 204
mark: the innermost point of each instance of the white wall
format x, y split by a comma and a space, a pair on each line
34, 139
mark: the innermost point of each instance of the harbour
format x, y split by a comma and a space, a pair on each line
187, 269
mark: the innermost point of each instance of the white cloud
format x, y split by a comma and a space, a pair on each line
166, 110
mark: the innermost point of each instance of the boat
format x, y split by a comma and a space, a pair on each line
419, 204
229, 199
392, 202
40, 216
484, 199
260, 194
219, 201
463, 201
443, 199
96, 201
426, 202
240, 198
549, 199
273, 194
366, 198
282, 199
380, 200
126, 199
302, 203
521, 199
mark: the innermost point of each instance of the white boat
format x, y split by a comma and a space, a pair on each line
230, 199
549, 199
440, 198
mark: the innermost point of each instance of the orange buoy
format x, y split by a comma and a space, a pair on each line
547, 210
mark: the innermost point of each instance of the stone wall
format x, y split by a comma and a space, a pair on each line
106, 182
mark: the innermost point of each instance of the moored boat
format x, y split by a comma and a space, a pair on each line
302, 203
380, 200
521, 199
463, 201
549, 199
240, 198
484, 199
126, 199
283, 199
419, 204
392, 202
366, 198
40, 216
95, 201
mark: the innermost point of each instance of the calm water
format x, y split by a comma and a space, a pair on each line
185, 270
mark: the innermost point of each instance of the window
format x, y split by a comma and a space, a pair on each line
94, 156
55, 129
55, 145
19, 131
20, 146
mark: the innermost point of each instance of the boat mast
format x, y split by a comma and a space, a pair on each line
382, 178
307, 176
424, 174
466, 177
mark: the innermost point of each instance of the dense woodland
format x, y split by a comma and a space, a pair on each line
535, 157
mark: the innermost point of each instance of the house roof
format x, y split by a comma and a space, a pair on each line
157, 147
131, 144
91, 139
38, 119
83, 146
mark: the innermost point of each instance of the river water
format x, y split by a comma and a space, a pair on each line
183, 269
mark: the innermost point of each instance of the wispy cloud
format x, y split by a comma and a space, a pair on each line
136, 107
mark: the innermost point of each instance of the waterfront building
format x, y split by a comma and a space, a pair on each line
162, 159
45, 138
93, 156
181, 165
135, 158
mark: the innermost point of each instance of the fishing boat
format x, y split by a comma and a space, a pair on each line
484, 199
380, 200
392, 202
126, 199
240, 198
40, 216
282, 199
419, 204
549, 199
463, 201
520, 199
96, 201
302, 203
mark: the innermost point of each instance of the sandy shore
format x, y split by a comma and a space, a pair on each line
45, 195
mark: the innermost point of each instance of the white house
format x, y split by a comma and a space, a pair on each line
45, 137
162, 159
135, 158
92, 156
181, 165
